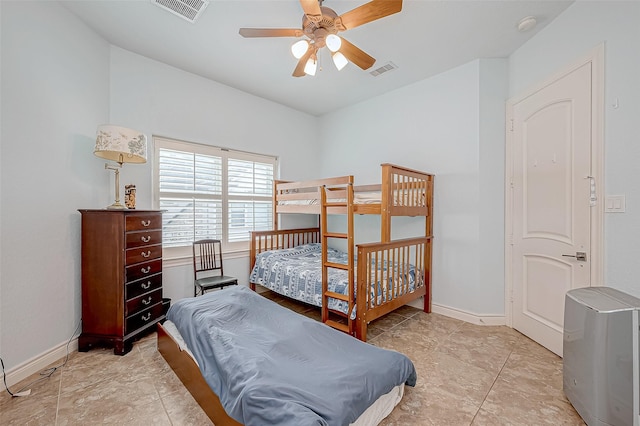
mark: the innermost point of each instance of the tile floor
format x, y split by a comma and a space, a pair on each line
467, 375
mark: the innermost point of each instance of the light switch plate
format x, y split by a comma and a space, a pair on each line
614, 204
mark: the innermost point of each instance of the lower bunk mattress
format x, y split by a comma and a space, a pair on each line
297, 273
269, 365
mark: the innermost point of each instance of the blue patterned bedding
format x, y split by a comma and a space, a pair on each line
297, 273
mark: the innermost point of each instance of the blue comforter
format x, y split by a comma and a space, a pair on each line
272, 366
297, 273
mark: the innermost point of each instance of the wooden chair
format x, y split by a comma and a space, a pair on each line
208, 273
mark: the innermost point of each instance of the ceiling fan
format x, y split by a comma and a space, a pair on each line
320, 25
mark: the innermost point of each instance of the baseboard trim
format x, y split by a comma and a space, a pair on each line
472, 318
38, 363
465, 316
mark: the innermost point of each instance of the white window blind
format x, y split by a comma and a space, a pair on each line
210, 192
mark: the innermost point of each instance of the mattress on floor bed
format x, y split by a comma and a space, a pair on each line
372, 415
269, 365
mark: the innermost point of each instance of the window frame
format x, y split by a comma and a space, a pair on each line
235, 249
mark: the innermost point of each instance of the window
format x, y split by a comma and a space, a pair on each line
211, 192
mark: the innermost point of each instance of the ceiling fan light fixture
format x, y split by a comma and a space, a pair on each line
320, 26
311, 66
339, 60
333, 42
299, 48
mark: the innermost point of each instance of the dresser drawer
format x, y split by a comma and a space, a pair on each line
142, 318
143, 302
143, 270
140, 287
142, 254
143, 238
142, 221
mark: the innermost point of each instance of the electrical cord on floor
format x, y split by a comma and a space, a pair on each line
44, 374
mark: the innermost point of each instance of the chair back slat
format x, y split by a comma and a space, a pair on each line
207, 261
207, 256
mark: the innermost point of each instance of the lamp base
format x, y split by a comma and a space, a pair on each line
117, 206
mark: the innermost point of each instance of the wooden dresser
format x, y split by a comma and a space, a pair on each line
121, 277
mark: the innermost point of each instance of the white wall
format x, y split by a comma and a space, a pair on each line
1, 37
60, 80
161, 100
434, 125
493, 88
55, 90
583, 26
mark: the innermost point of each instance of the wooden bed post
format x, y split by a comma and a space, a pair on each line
274, 204
386, 203
428, 247
361, 297
252, 258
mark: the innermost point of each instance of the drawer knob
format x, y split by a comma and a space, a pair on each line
146, 317
145, 223
146, 301
145, 270
146, 239
146, 254
147, 285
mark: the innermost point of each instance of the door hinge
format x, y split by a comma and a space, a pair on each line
511, 124
593, 197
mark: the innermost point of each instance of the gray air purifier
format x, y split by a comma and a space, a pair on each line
600, 346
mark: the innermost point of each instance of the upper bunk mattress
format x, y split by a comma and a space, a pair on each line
271, 366
414, 198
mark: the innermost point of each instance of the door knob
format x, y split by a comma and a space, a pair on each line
580, 256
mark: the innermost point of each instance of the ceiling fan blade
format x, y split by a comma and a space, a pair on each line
270, 32
311, 8
368, 12
356, 55
299, 71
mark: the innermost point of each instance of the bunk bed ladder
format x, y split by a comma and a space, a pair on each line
344, 203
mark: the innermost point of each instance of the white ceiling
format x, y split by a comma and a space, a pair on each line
426, 38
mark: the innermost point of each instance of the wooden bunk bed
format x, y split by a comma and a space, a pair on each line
402, 192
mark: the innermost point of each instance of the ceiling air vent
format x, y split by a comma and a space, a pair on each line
186, 9
387, 67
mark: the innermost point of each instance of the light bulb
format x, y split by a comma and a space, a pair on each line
311, 65
339, 60
333, 42
299, 48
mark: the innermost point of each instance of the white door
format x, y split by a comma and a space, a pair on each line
552, 196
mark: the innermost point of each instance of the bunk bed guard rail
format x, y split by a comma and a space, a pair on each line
391, 274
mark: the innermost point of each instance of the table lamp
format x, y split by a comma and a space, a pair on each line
121, 145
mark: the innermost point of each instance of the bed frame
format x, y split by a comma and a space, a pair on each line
189, 373
403, 192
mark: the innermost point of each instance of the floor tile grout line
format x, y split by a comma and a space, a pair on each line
447, 336
491, 387
164, 407
155, 387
